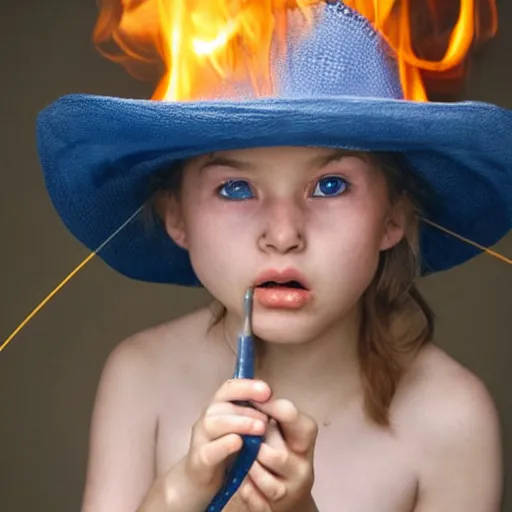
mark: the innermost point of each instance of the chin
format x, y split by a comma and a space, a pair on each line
286, 327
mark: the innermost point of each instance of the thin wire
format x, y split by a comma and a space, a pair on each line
470, 242
109, 239
65, 281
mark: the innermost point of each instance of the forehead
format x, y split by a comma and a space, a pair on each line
274, 152
251, 158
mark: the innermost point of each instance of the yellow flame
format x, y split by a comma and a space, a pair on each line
200, 49
204, 48
477, 22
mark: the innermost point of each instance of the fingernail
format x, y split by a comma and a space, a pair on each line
258, 425
260, 386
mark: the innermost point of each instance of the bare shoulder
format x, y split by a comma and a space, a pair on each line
161, 357
154, 341
451, 422
136, 373
443, 393
142, 369
164, 343
137, 383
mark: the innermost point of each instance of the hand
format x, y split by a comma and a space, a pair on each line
282, 477
216, 436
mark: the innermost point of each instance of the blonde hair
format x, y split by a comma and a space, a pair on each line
391, 296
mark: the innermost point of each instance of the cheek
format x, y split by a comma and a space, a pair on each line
213, 223
218, 239
353, 228
352, 258
349, 248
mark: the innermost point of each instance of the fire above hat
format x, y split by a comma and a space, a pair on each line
197, 49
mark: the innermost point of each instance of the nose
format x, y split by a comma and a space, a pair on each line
283, 230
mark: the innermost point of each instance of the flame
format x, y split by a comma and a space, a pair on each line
193, 43
201, 48
208, 48
420, 33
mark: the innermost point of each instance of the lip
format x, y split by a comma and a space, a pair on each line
281, 276
282, 297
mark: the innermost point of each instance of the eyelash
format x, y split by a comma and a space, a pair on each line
345, 187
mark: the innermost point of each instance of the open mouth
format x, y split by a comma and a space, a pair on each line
283, 293
287, 284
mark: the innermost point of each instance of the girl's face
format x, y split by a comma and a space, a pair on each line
320, 215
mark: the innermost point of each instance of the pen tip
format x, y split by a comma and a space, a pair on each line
248, 299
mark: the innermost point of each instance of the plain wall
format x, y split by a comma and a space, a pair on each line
49, 374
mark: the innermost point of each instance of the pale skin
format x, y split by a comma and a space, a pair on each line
164, 396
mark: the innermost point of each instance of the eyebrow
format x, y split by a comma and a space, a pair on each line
227, 162
338, 154
241, 165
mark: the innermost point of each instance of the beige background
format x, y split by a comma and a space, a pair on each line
48, 376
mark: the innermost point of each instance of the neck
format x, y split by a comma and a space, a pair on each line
320, 375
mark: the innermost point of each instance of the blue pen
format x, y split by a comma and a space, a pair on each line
251, 444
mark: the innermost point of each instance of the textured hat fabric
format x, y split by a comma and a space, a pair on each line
339, 87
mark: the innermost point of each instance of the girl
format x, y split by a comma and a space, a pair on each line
316, 199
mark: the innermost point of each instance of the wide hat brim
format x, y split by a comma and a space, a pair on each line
99, 155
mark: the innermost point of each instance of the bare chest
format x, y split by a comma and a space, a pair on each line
355, 468
362, 471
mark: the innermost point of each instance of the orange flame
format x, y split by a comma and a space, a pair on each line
201, 48
208, 48
432, 39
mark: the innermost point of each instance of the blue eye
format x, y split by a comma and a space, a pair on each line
236, 190
330, 186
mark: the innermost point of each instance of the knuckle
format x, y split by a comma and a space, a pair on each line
193, 463
246, 492
253, 413
210, 423
214, 425
312, 428
281, 458
257, 505
213, 408
203, 458
223, 389
252, 499
278, 492
235, 442
307, 474
197, 429
245, 421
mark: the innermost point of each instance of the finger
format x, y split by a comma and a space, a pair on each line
220, 425
211, 454
272, 488
278, 461
285, 465
243, 390
233, 409
273, 436
299, 430
252, 497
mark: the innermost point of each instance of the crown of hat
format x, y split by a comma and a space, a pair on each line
342, 56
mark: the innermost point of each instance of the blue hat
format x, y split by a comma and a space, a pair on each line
338, 87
